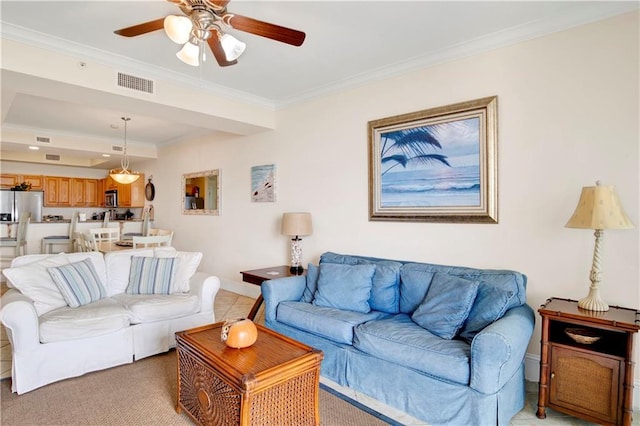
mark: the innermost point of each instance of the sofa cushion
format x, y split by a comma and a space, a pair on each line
33, 280
490, 305
446, 305
502, 279
187, 265
118, 264
155, 307
311, 283
151, 275
385, 290
333, 324
398, 339
94, 319
78, 283
344, 287
415, 284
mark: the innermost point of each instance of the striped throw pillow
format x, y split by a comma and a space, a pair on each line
78, 283
151, 275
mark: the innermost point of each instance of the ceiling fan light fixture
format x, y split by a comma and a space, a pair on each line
189, 54
232, 47
124, 175
178, 28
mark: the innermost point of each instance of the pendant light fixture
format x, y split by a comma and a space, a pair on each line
124, 175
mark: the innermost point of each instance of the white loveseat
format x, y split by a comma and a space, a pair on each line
52, 341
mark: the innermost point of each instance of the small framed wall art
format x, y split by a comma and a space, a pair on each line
263, 183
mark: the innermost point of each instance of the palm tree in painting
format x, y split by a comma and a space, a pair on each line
400, 147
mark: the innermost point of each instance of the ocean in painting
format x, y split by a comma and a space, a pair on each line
432, 187
263, 187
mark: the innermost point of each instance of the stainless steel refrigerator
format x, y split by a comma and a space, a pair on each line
12, 203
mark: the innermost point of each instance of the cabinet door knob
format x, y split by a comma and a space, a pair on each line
553, 375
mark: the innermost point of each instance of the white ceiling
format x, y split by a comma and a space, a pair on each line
347, 43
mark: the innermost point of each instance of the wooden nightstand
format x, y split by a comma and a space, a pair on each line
592, 381
258, 276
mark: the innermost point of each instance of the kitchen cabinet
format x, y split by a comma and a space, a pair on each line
110, 184
84, 193
57, 191
77, 192
92, 196
137, 192
590, 379
9, 180
100, 193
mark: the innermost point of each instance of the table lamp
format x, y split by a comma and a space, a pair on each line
598, 208
296, 225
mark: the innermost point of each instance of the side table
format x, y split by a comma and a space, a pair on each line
258, 276
275, 381
592, 380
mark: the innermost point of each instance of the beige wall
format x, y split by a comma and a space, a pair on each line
568, 116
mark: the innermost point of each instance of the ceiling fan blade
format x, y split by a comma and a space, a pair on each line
220, 3
140, 29
264, 29
218, 52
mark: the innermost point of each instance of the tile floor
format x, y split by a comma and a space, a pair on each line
230, 305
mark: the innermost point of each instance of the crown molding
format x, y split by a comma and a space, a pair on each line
593, 11
122, 63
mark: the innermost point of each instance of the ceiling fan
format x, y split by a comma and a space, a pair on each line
203, 22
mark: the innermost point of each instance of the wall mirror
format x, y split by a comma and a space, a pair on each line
201, 193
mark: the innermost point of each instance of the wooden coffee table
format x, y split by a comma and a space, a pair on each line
274, 381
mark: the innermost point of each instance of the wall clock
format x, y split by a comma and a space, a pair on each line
150, 190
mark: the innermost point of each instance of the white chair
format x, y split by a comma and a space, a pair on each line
20, 240
156, 231
54, 240
103, 235
152, 241
82, 242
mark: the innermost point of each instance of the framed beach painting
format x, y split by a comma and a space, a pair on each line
436, 165
263, 183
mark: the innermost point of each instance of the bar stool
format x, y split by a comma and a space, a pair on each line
53, 240
20, 240
145, 228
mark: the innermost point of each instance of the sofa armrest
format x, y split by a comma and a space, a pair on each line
498, 351
280, 290
19, 316
205, 286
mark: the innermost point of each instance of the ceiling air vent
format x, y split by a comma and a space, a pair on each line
116, 148
52, 157
43, 139
135, 83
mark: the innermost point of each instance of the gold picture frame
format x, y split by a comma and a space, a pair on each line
436, 165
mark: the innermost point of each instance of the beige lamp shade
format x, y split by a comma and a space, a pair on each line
296, 224
599, 208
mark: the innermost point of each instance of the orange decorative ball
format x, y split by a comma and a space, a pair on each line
239, 333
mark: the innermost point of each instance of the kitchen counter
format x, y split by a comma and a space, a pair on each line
38, 230
69, 221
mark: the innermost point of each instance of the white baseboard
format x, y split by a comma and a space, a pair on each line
532, 374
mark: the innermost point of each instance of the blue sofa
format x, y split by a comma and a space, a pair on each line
445, 344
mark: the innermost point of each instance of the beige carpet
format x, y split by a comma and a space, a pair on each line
142, 393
